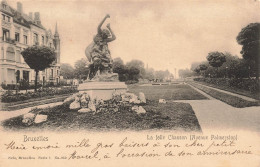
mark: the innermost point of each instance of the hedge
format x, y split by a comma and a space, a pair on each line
9, 96
244, 84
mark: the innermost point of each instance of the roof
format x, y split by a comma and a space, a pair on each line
19, 18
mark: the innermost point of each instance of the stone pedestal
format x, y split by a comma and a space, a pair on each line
102, 90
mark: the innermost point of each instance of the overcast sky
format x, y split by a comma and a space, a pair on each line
164, 35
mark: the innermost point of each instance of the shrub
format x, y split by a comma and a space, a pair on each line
9, 96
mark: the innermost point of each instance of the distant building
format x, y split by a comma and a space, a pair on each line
19, 31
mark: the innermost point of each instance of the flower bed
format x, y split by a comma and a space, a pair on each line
9, 96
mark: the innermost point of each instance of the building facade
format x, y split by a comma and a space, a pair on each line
19, 31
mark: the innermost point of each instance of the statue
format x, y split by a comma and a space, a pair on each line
98, 54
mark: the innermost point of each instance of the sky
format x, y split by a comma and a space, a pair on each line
163, 34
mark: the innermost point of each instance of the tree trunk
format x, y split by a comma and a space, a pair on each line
35, 81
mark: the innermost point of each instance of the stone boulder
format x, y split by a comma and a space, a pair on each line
40, 118
28, 118
142, 97
84, 110
138, 109
75, 105
162, 101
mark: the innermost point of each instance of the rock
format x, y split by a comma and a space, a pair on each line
125, 98
75, 105
28, 118
134, 100
138, 110
142, 97
40, 118
77, 99
84, 103
71, 98
92, 106
162, 101
83, 110
29, 115
135, 108
117, 96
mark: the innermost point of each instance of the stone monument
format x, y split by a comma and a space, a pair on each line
101, 82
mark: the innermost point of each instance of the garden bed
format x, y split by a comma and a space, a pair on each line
32, 102
169, 116
10, 97
227, 98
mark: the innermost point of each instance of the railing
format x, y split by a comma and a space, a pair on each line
8, 40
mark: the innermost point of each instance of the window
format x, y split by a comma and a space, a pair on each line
18, 56
26, 75
17, 37
6, 34
57, 72
2, 53
10, 55
25, 39
8, 18
4, 6
3, 16
42, 40
35, 39
51, 73
11, 76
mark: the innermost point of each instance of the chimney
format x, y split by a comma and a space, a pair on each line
20, 7
37, 18
31, 15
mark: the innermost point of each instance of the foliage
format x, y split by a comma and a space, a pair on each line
136, 64
67, 71
81, 69
249, 38
244, 84
184, 73
38, 58
9, 96
216, 59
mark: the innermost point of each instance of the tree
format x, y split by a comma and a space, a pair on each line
137, 64
201, 68
184, 73
149, 74
249, 38
67, 71
216, 59
38, 58
81, 69
119, 67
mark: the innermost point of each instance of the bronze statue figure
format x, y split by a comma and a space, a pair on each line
98, 53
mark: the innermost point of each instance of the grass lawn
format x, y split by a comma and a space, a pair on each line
168, 92
229, 99
169, 116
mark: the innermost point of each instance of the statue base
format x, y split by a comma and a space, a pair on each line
102, 90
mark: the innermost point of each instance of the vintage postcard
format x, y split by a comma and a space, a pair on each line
130, 83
